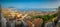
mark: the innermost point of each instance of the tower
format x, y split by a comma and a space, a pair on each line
59, 13
58, 22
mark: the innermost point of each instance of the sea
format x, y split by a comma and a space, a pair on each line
38, 9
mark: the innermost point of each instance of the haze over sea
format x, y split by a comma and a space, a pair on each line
27, 5
38, 9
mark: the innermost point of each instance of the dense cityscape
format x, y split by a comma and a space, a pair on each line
29, 13
15, 18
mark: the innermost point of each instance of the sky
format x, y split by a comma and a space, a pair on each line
30, 3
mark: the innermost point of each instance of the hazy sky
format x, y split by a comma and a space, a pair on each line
30, 3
